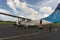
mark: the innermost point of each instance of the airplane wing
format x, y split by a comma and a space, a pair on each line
22, 20
15, 16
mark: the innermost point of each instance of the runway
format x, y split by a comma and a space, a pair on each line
10, 32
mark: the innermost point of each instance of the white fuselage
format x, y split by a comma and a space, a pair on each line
32, 22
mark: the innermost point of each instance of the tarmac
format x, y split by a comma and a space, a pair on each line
10, 32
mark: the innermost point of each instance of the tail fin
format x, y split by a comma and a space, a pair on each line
58, 7
55, 16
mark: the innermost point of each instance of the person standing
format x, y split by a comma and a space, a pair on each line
50, 28
40, 26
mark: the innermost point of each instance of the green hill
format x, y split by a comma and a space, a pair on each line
54, 24
6, 22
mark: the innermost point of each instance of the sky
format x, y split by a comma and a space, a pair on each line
32, 9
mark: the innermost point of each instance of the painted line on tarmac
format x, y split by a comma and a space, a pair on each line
19, 36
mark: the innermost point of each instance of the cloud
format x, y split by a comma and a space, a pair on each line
47, 10
22, 16
23, 6
35, 17
10, 3
6, 18
48, 1
51, 3
4, 11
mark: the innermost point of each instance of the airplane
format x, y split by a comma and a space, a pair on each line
22, 21
54, 17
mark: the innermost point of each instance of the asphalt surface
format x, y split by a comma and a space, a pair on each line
10, 32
